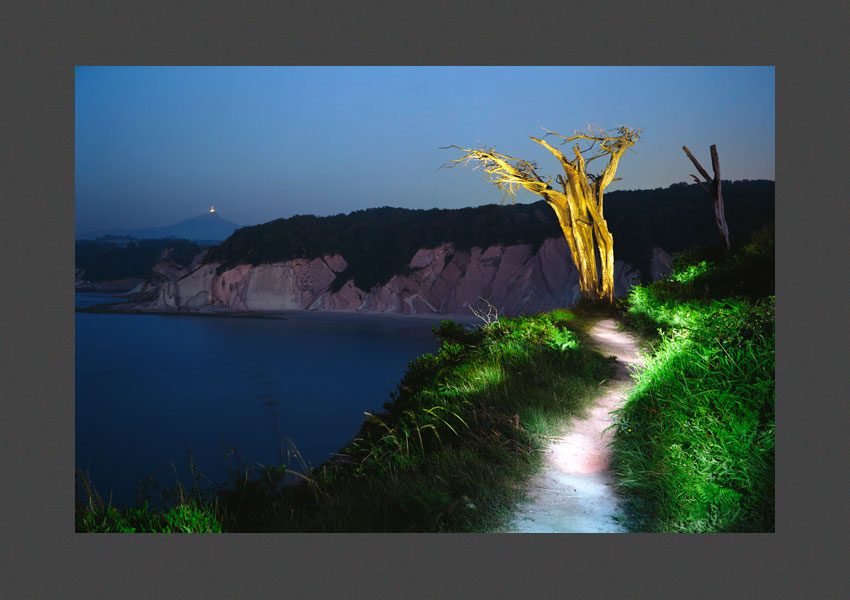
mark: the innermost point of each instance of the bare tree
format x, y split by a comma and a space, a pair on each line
488, 313
714, 191
578, 202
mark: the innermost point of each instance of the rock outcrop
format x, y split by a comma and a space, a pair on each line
660, 264
443, 280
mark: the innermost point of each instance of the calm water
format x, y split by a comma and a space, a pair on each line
93, 298
150, 388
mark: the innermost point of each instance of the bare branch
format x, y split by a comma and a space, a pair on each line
698, 166
715, 192
595, 156
715, 164
700, 183
506, 172
489, 314
568, 166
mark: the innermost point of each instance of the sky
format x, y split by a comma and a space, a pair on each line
155, 145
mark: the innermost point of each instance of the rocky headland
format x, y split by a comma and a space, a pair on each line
515, 279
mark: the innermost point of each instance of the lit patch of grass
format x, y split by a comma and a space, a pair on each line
477, 377
694, 442
188, 516
691, 272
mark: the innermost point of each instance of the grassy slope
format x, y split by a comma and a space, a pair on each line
450, 452
694, 443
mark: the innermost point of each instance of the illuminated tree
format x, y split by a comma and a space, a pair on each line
714, 191
578, 202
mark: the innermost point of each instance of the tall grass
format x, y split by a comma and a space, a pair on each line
451, 450
187, 515
694, 442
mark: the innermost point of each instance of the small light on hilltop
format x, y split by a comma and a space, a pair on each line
212, 210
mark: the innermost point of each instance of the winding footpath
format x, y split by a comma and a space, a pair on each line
574, 491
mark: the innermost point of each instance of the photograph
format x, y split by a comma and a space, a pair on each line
424, 299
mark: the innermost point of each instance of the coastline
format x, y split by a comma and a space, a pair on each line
120, 308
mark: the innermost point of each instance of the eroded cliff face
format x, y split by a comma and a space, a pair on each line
441, 280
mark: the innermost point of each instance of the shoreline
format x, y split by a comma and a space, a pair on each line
118, 309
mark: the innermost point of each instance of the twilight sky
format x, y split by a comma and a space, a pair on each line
158, 144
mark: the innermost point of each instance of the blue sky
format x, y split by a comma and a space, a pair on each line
158, 144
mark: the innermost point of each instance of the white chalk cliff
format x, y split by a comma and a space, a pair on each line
440, 280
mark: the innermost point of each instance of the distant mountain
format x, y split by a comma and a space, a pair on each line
206, 227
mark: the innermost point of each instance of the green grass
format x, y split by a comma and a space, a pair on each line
694, 442
451, 451
93, 515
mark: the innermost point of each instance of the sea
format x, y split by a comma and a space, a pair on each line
162, 399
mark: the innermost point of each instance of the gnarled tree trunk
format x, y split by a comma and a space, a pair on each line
578, 204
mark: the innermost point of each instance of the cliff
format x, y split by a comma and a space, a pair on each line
504, 251
378, 243
441, 280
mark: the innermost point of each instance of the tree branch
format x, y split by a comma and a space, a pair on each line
567, 165
715, 164
696, 164
700, 183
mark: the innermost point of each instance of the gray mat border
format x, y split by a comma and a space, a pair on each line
42, 42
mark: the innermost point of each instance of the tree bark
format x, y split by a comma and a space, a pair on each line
578, 206
715, 191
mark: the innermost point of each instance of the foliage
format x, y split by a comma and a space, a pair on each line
694, 442
104, 260
449, 452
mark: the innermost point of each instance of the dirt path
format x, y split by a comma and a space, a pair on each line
574, 493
